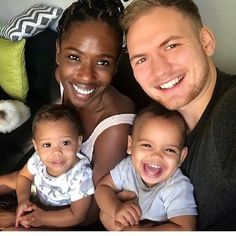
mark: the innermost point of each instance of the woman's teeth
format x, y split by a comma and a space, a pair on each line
83, 91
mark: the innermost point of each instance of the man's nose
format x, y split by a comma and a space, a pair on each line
160, 65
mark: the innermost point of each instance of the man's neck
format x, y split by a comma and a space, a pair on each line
194, 110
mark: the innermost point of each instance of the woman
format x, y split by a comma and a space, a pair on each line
88, 50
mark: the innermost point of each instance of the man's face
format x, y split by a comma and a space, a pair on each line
169, 59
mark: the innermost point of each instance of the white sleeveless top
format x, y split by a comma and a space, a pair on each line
88, 146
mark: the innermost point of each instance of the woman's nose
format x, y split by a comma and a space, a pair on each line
85, 73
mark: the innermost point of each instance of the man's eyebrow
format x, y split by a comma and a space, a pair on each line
174, 37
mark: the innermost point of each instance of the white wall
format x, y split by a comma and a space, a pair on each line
219, 15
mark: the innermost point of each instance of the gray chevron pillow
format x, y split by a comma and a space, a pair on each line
30, 22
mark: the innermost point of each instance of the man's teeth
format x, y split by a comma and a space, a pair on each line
171, 83
83, 91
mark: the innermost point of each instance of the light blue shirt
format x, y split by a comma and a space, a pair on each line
171, 198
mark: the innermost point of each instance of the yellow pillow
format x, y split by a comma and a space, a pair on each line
13, 76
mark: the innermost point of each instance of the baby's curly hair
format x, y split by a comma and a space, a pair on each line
55, 112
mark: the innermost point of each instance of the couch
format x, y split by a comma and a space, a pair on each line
16, 147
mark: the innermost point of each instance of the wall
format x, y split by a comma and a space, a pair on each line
217, 14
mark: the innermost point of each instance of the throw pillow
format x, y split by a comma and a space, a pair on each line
30, 22
13, 76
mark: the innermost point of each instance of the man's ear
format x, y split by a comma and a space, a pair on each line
129, 144
58, 50
208, 41
183, 155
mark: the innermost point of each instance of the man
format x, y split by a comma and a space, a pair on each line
170, 52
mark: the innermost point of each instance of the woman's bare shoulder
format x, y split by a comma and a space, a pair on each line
118, 102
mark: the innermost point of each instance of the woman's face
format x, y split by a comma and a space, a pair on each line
87, 58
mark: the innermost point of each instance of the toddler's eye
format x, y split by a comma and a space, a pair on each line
66, 143
46, 145
146, 145
170, 150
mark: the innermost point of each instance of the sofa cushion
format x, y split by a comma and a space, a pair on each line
13, 76
30, 22
40, 52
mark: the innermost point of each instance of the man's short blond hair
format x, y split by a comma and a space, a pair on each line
137, 8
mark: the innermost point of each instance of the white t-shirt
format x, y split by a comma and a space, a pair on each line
71, 186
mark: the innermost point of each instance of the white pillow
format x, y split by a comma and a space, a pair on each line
30, 22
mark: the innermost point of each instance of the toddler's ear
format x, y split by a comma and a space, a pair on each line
183, 155
80, 139
35, 145
129, 144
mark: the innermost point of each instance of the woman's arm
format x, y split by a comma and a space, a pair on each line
23, 190
110, 148
106, 197
23, 185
